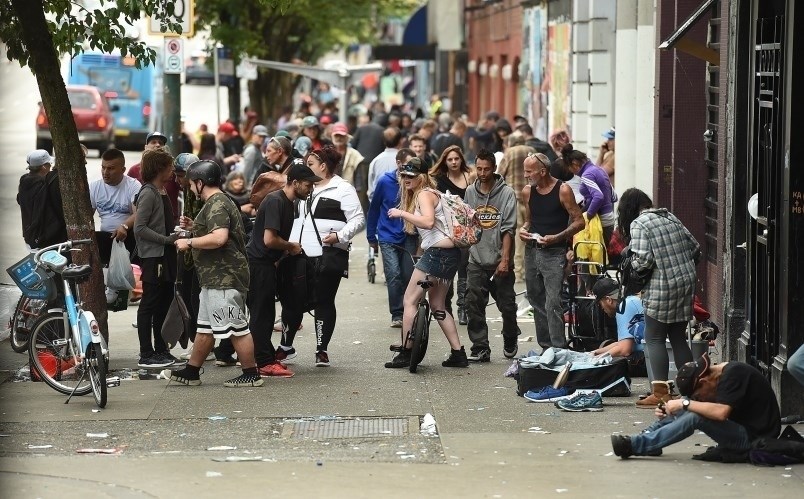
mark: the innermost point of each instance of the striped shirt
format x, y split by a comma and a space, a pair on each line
660, 241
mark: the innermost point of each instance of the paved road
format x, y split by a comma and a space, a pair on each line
486, 443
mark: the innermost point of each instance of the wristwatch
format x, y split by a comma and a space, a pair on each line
685, 404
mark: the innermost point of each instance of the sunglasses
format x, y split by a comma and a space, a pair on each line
535, 156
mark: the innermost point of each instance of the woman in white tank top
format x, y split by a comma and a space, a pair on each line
421, 208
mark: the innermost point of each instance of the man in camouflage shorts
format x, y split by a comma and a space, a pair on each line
219, 252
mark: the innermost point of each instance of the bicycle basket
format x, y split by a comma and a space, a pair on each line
34, 282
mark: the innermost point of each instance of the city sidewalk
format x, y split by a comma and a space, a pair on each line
489, 442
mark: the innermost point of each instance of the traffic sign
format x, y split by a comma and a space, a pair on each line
182, 9
174, 55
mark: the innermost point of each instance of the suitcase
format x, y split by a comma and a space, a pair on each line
613, 378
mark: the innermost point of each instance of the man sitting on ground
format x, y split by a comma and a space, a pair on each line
731, 402
630, 320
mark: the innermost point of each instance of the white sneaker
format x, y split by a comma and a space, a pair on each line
186, 355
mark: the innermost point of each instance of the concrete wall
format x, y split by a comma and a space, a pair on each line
592, 85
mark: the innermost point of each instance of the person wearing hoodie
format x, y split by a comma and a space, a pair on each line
387, 234
502, 129
39, 198
329, 220
490, 260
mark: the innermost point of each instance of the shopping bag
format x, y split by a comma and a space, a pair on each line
120, 275
176, 322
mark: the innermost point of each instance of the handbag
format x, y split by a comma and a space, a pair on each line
265, 184
177, 322
633, 281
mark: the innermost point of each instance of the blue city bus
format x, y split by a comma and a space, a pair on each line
137, 93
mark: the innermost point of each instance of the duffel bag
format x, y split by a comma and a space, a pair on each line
613, 378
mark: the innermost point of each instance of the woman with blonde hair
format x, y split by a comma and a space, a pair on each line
421, 208
452, 174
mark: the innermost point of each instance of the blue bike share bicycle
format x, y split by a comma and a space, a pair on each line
66, 348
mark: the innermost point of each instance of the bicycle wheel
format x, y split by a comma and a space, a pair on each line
421, 335
96, 365
52, 360
19, 334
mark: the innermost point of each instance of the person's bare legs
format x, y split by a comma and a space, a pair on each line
413, 294
244, 346
203, 345
437, 295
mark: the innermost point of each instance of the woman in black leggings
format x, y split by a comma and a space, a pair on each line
336, 217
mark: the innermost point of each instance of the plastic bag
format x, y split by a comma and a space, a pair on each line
592, 232
120, 275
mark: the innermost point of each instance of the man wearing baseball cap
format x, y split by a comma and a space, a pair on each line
605, 157
731, 402
269, 246
252, 154
39, 198
630, 316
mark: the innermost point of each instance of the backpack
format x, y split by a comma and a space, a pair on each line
463, 224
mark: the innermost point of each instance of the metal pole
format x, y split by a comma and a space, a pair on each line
217, 85
344, 99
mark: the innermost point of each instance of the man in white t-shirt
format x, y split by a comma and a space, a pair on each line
113, 198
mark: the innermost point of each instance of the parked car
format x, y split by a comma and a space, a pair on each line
92, 115
197, 71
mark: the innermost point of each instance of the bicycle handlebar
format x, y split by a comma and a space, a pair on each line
60, 247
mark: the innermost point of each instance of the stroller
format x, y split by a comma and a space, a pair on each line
588, 327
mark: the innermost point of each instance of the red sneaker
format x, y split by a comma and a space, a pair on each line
275, 370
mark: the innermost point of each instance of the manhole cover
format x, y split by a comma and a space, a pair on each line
350, 427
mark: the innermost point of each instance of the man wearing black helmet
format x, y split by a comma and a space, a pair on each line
219, 253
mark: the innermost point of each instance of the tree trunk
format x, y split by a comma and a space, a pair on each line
71, 164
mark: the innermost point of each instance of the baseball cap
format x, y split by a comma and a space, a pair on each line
609, 134
605, 287
260, 130
302, 172
226, 127
282, 133
414, 168
691, 373
156, 135
326, 119
339, 129
309, 122
38, 158
519, 117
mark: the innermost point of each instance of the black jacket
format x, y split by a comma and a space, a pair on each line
41, 209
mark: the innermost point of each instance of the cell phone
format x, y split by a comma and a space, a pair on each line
661, 407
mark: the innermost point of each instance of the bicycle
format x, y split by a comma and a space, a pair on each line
419, 334
65, 345
21, 321
371, 266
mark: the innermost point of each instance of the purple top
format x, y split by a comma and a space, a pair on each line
596, 190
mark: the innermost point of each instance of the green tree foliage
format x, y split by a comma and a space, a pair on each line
292, 31
36, 32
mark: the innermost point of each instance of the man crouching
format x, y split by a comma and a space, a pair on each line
731, 402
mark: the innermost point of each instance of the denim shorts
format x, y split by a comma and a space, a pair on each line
441, 263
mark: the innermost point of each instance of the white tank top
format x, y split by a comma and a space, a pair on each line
431, 237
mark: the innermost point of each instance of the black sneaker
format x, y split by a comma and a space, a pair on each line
510, 346
153, 361
321, 359
285, 356
622, 446
167, 357
245, 380
480, 356
400, 360
457, 358
183, 376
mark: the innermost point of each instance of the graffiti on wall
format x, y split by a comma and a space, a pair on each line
532, 69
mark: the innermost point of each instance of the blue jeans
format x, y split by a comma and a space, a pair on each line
397, 265
676, 428
795, 364
544, 275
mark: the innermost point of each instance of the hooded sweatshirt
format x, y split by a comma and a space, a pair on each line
39, 198
497, 211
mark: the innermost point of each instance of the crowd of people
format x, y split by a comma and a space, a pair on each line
252, 204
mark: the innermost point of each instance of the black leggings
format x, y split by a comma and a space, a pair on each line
655, 335
325, 313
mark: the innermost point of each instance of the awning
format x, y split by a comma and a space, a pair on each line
414, 42
677, 39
